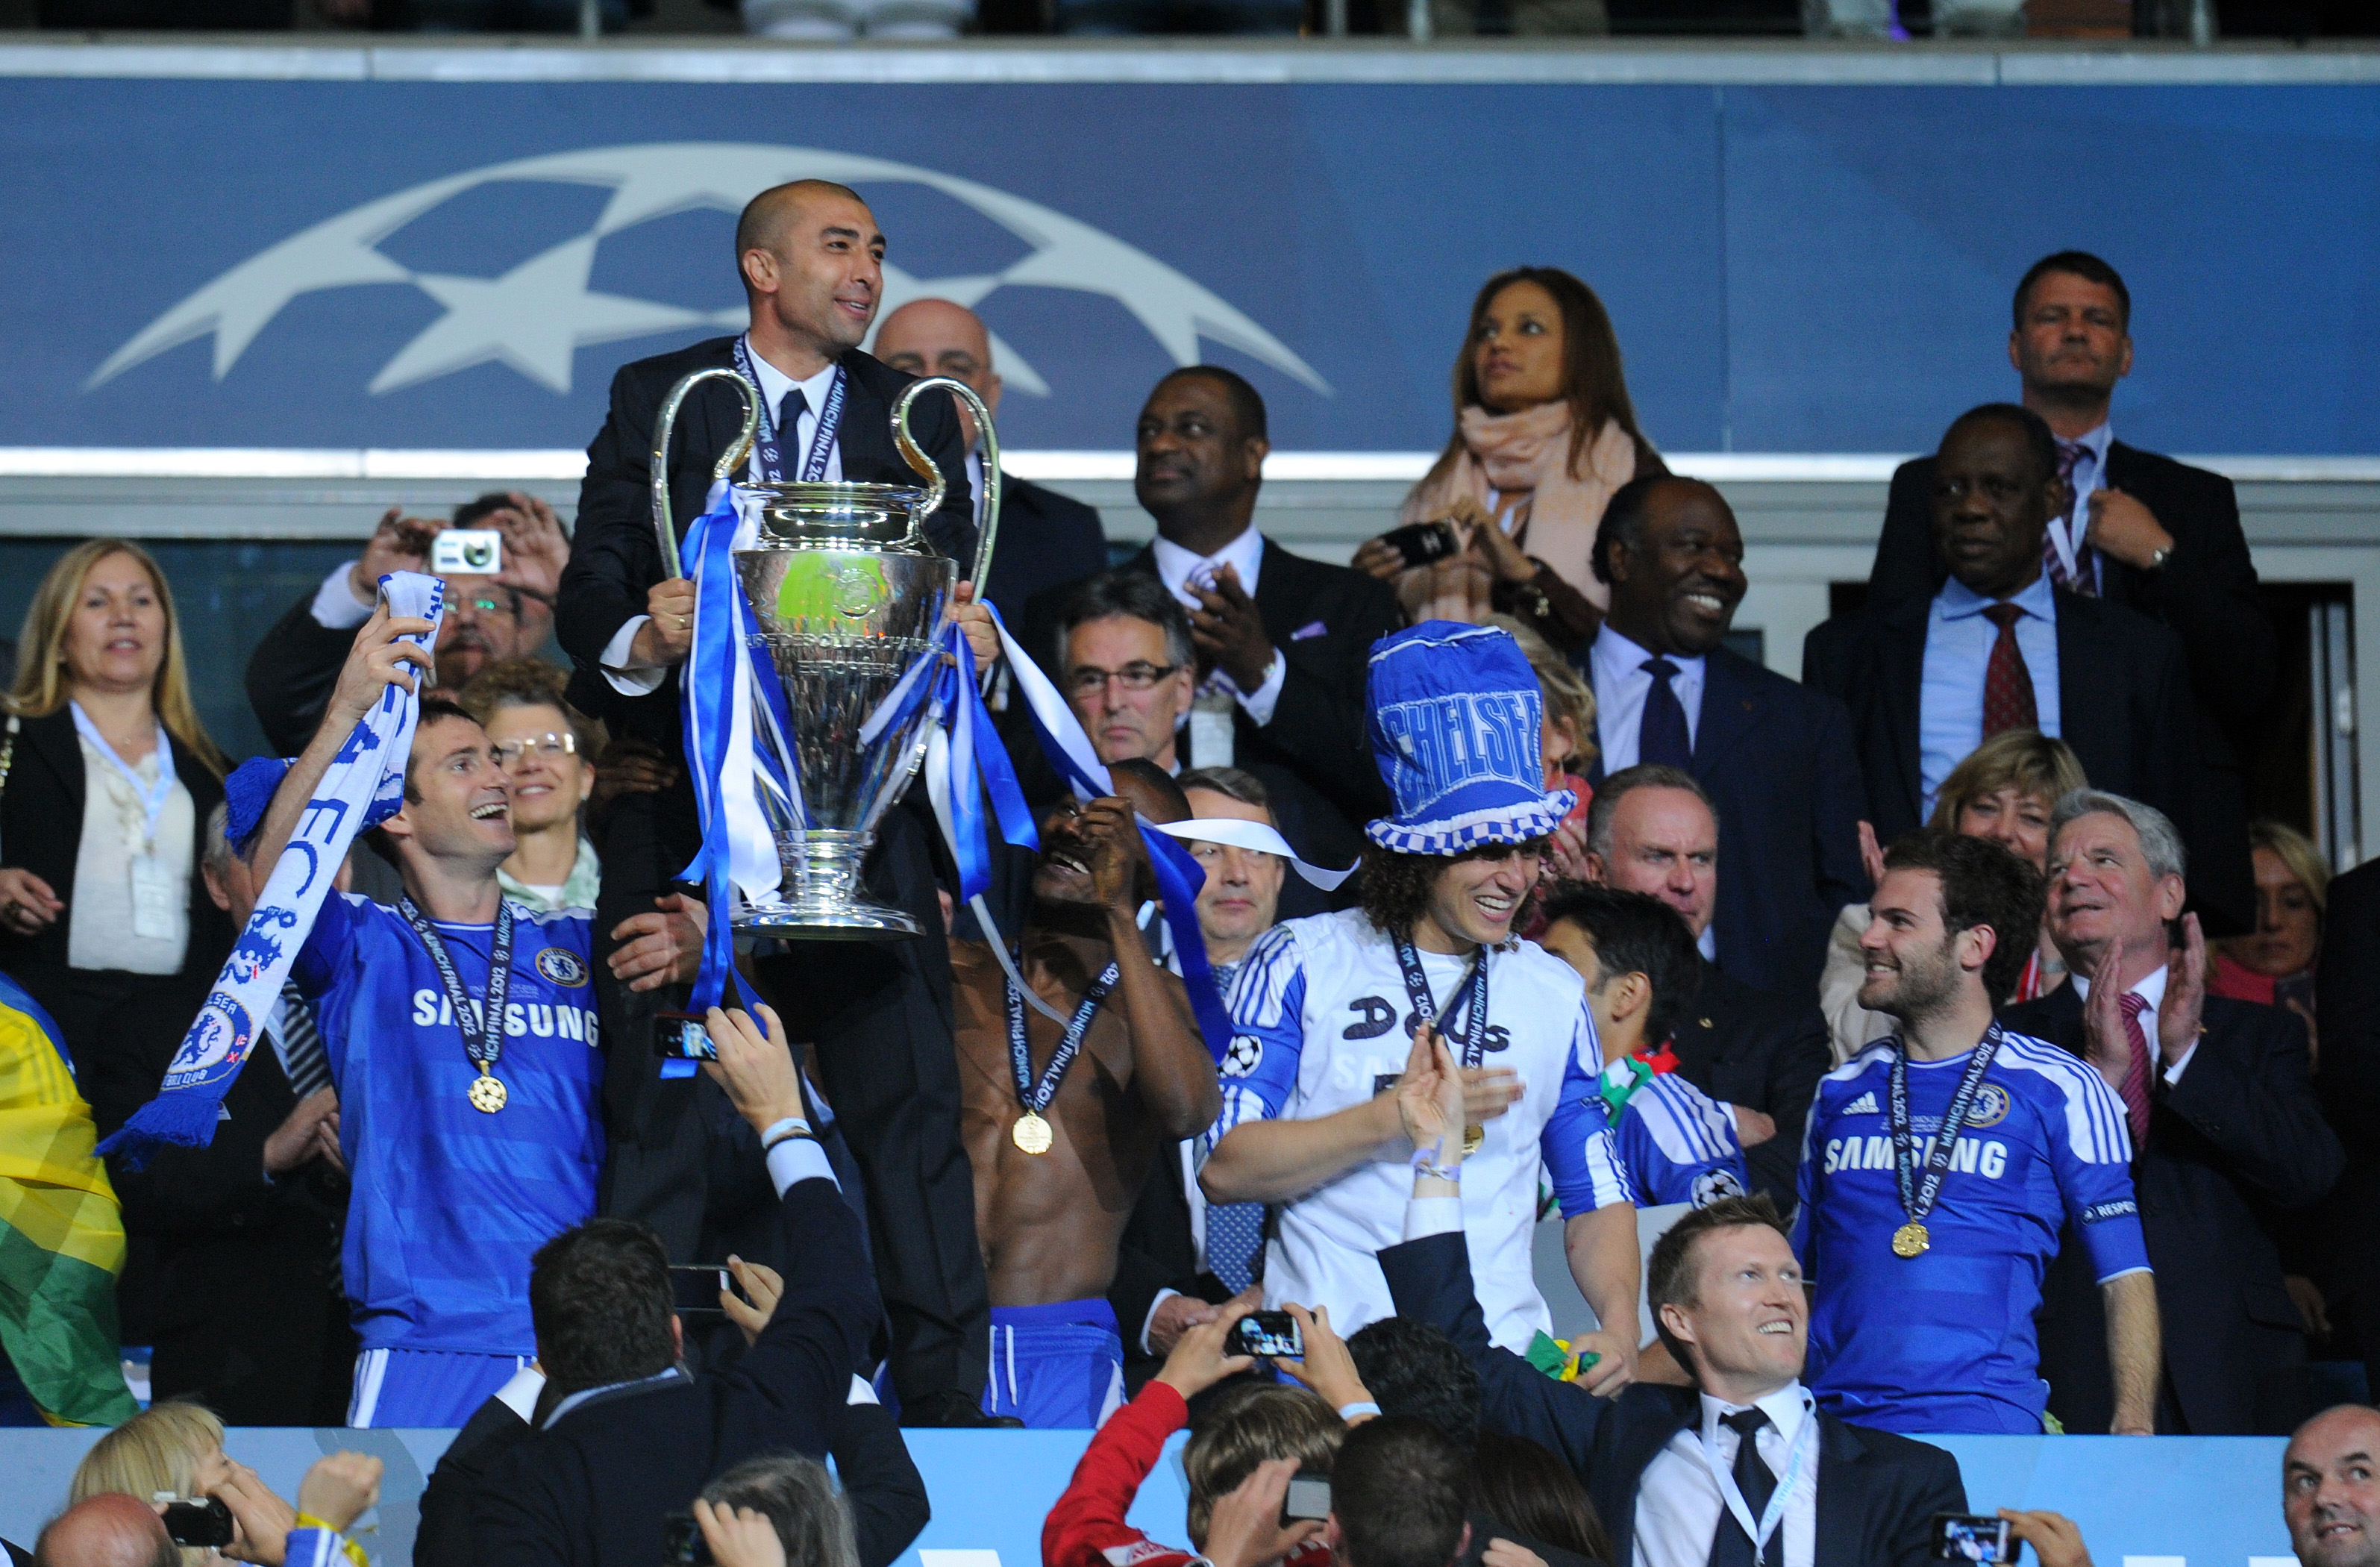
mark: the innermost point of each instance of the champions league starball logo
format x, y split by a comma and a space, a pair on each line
535, 317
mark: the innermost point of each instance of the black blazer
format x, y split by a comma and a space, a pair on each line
1045, 540
1156, 1253
1324, 620
592, 1490
2347, 1001
614, 555
880, 1479
2239, 1138
234, 1275
291, 674
2123, 692
1777, 760
1877, 1492
2206, 592
41, 830
1763, 1051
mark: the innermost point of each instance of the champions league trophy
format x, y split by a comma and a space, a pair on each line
848, 597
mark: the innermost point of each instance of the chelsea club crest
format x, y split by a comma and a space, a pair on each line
217, 1043
560, 965
1991, 1106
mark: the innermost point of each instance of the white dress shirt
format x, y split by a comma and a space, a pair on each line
1178, 567
1677, 1502
1621, 686
793, 449
2066, 533
2152, 990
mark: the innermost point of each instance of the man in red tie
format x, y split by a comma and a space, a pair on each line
2224, 1130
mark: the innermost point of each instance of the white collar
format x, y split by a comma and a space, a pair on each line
1619, 657
1176, 565
2096, 443
1786, 1409
2150, 989
775, 384
675, 1374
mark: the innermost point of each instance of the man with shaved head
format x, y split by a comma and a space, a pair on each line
2330, 1489
810, 256
111, 1530
1045, 538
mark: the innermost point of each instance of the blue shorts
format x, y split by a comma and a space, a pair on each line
426, 1389
1056, 1368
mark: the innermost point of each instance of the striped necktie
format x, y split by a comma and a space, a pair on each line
2083, 578
300, 1044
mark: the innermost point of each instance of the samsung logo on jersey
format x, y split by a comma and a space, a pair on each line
431, 1008
1969, 1158
1458, 740
2099, 1210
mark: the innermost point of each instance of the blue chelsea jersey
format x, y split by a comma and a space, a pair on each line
1675, 1144
1944, 1341
449, 1201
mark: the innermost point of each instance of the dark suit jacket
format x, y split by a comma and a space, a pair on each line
1324, 620
591, 1489
41, 831
2240, 1137
2123, 694
1762, 1050
614, 558
886, 1494
1777, 762
231, 1273
1045, 540
2347, 1001
291, 674
1156, 1253
2207, 592
1877, 1492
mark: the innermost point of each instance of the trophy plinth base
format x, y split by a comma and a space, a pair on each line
820, 899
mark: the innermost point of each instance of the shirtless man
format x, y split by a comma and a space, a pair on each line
1061, 1148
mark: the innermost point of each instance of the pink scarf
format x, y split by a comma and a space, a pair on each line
1524, 457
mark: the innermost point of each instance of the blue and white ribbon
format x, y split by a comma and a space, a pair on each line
364, 786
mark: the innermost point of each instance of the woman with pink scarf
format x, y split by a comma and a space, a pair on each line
1544, 434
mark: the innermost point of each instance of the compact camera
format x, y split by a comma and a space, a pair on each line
682, 1035
1967, 1536
203, 1521
467, 552
1308, 1497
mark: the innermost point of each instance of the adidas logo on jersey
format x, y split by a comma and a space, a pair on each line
1864, 1105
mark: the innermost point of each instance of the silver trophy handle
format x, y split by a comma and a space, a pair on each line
664, 528
932, 475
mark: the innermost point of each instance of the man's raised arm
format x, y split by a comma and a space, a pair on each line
378, 660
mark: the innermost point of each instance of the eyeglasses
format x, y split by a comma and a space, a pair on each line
545, 748
1090, 680
501, 605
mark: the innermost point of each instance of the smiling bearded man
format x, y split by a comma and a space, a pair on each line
1325, 1008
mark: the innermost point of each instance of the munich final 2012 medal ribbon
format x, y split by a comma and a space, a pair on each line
481, 1024
1918, 1193
1469, 1001
1031, 1132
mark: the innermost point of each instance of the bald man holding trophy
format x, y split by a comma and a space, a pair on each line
830, 566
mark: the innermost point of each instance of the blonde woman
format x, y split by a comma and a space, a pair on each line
177, 1450
1545, 431
108, 777
548, 750
2004, 791
2275, 964
1565, 742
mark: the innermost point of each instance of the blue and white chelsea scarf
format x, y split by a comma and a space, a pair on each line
364, 786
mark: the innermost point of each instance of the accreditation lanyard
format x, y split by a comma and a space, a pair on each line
484, 1033
153, 796
1917, 1194
1035, 1096
1469, 1002
768, 452
1733, 1494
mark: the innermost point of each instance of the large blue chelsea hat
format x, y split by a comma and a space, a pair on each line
1454, 714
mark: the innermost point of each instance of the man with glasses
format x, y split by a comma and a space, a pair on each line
463, 1040
508, 615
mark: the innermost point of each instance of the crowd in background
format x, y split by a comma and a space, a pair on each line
1700, 868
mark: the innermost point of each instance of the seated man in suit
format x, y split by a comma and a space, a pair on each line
2225, 1131
2139, 529
234, 1248
624, 1436
2329, 1496
1045, 539
1281, 640
1651, 830
2002, 646
1774, 759
1728, 1303
1123, 653
1940, 1166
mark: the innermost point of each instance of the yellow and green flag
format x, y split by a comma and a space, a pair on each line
61, 1232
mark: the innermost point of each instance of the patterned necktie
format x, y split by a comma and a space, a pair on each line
2008, 685
1661, 732
1731, 1547
2136, 1072
1234, 1230
301, 1044
2082, 579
